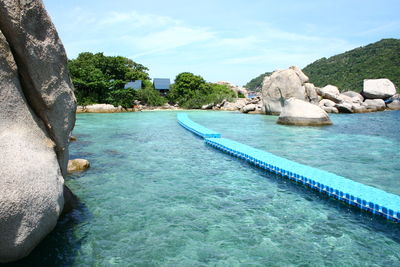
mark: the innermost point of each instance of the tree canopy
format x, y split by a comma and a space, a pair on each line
192, 91
100, 79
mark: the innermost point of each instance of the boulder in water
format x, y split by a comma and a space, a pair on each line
299, 112
77, 165
37, 116
285, 84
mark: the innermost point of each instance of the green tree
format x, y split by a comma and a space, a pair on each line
100, 79
122, 97
192, 91
150, 96
185, 86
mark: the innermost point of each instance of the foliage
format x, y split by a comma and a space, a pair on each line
348, 70
256, 83
185, 87
121, 97
96, 77
241, 95
192, 91
150, 96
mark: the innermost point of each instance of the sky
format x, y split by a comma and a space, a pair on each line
222, 40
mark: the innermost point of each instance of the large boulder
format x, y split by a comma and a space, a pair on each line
394, 105
354, 95
248, 108
374, 105
42, 67
328, 106
37, 115
330, 92
378, 88
311, 93
299, 112
31, 184
329, 89
326, 103
285, 84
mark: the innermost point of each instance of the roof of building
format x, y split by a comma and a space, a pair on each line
161, 83
134, 84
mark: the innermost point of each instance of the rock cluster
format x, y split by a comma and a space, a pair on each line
99, 108
37, 116
371, 98
377, 94
245, 105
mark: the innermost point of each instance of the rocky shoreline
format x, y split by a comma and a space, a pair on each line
282, 85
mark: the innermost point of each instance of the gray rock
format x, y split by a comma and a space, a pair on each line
330, 92
37, 115
31, 184
330, 109
42, 67
378, 89
344, 107
233, 106
375, 104
248, 108
394, 105
326, 103
77, 165
344, 98
359, 109
299, 112
207, 106
71, 201
329, 89
103, 108
353, 94
285, 84
311, 93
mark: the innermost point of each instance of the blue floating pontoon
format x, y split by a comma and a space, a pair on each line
195, 128
365, 197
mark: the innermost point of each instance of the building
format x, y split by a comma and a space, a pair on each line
162, 85
134, 85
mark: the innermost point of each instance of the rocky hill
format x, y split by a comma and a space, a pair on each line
348, 70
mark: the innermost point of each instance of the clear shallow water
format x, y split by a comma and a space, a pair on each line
157, 196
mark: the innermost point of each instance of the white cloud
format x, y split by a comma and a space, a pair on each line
135, 19
173, 37
169, 45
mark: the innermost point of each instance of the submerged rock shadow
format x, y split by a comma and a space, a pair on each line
61, 246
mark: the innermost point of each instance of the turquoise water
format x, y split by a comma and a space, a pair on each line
156, 195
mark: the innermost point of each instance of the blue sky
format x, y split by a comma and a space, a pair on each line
229, 40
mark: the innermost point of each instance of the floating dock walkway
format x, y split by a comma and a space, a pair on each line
363, 196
